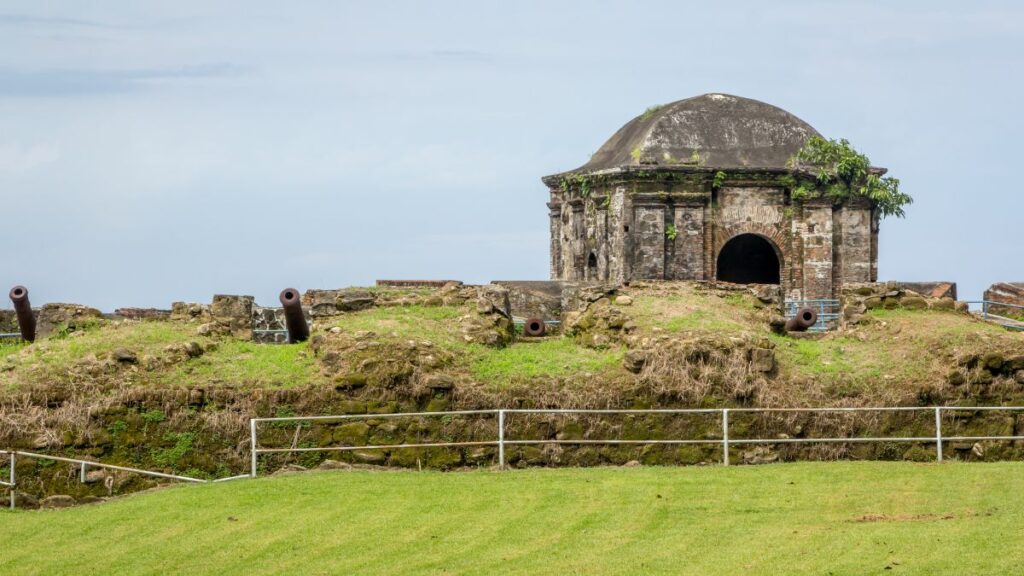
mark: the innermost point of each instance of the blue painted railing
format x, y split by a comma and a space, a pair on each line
828, 312
987, 314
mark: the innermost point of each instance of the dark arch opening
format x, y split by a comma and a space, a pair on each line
592, 266
748, 259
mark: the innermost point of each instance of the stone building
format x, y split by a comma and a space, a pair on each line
700, 189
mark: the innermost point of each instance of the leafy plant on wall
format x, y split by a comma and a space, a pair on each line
838, 171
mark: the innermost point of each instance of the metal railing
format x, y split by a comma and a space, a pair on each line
725, 441
84, 465
828, 312
986, 313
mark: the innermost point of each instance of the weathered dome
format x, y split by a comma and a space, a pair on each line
712, 130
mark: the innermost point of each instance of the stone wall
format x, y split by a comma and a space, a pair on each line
268, 325
70, 317
142, 313
816, 231
939, 289
687, 257
551, 300
8, 322
857, 299
534, 299
1009, 293
232, 315
669, 226
648, 253
851, 245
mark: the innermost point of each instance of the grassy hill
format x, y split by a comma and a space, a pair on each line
167, 395
822, 518
887, 358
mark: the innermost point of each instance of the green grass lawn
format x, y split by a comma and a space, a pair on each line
552, 357
811, 518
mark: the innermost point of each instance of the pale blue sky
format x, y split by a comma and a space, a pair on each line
159, 152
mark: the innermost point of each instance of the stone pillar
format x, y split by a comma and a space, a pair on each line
600, 241
555, 246
568, 242
688, 247
617, 235
233, 314
817, 253
852, 228
649, 250
578, 242
875, 220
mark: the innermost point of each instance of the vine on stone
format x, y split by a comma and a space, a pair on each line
841, 172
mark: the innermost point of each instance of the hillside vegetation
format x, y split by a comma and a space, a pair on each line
896, 352
836, 518
171, 395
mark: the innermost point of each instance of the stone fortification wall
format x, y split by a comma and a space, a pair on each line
661, 226
1008, 293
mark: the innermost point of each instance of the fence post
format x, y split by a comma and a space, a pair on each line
13, 482
938, 434
501, 439
725, 436
81, 475
984, 309
252, 447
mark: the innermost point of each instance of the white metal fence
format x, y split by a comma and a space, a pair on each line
725, 441
84, 465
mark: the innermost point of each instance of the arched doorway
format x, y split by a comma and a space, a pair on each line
592, 266
748, 259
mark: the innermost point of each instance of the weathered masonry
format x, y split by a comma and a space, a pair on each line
700, 189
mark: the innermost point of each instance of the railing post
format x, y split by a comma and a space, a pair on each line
13, 481
501, 439
81, 474
725, 436
984, 309
938, 434
252, 447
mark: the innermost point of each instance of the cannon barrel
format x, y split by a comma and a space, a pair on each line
294, 319
22, 308
804, 319
534, 327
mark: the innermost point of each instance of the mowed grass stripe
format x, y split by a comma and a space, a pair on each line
808, 518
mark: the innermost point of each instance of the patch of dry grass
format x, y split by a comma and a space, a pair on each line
675, 307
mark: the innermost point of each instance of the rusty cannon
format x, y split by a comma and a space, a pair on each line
804, 319
534, 327
23, 310
294, 319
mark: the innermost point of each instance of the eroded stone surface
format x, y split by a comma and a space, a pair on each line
1008, 293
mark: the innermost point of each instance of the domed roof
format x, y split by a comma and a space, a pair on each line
712, 130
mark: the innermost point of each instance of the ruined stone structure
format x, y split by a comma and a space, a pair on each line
1011, 293
700, 189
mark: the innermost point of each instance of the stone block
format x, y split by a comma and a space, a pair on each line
914, 303
762, 360
68, 317
233, 314
1008, 293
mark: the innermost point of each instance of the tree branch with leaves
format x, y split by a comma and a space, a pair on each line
837, 171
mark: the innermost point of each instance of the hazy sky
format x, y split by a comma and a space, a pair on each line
153, 152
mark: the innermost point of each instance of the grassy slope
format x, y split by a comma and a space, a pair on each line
900, 350
834, 518
57, 360
529, 359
